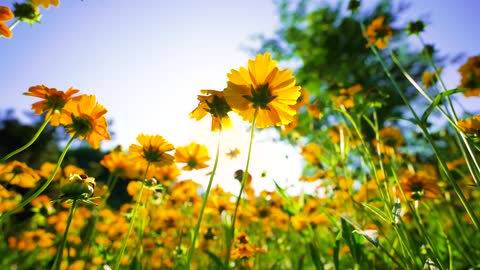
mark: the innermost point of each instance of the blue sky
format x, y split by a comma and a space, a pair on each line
147, 60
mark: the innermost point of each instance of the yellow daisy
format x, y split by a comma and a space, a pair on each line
152, 148
194, 154
263, 88
213, 102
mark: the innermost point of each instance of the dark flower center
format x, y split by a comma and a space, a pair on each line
260, 97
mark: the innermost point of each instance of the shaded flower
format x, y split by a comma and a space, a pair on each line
415, 28
194, 154
233, 153
46, 3
27, 12
470, 72
5, 15
213, 102
391, 139
19, 174
265, 88
430, 78
83, 117
419, 185
52, 101
378, 33
470, 126
153, 149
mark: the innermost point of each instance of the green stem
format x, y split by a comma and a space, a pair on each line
58, 257
429, 139
44, 186
204, 203
132, 220
242, 186
35, 137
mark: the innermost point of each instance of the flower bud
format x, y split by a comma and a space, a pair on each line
79, 186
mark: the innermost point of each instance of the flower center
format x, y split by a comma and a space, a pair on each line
260, 97
218, 107
152, 154
192, 163
81, 126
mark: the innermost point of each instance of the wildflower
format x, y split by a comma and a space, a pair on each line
311, 152
53, 101
194, 154
470, 72
243, 248
353, 5
379, 34
19, 174
153, 149
46, 3
263, 88
213, 102
5, 15
120, 164
47, 169
470, 126
166, 174
419, 185
78, 186
233, 153
32, 240
391, 139
430, 78
83, 118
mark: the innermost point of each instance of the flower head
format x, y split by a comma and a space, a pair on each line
233, 153
213, 102
120, 164
79, 187
263, 88
53, 100
83, 117
470, 72
419, 185
46, 3
470, 126
153, 149
379, 34
194, 154
19, 174
5, 15
391, 139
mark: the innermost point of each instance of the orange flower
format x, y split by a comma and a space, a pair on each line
263, 87
46, 3
194, 154
53, 100
470, 72
120, 164
214, 103
391, 139
5, 15
18, 173
379, 34
419, 185
152, 148
470, 126
83, 117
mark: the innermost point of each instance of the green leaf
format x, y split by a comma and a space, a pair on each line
315, 257
377, 212
370, 235
218, 262
437, 101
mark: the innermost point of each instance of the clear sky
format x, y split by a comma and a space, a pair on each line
146, 61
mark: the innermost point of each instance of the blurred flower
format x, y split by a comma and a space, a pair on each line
83, 117
430, 78
153, 149
470, 72
379, 34
32, 240
243, 249
470, 126
166, 175
265, 88
233, 153
46, 171
19, 174
419, 185
214, 103
415, 28
46, 3
391, 138
194, 154
27, 12
52, 101
5, 15
120, 164
311, 152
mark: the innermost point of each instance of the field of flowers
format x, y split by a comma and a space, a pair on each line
379, 200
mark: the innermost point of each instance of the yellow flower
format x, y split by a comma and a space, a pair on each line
83, 117
429, 78
379, 34
18, 173
391, 139
46, 3
214, 103
120, 164
419, 185
166, 175
5, 15
233, 153
470, 72
470, 126
53, 100
194, 154
311, 152
153, 149
265, 88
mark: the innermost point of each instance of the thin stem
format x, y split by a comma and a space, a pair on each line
242, 186
44, 186
15, 23
35, 137
58, 257
204, 203
132, 220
